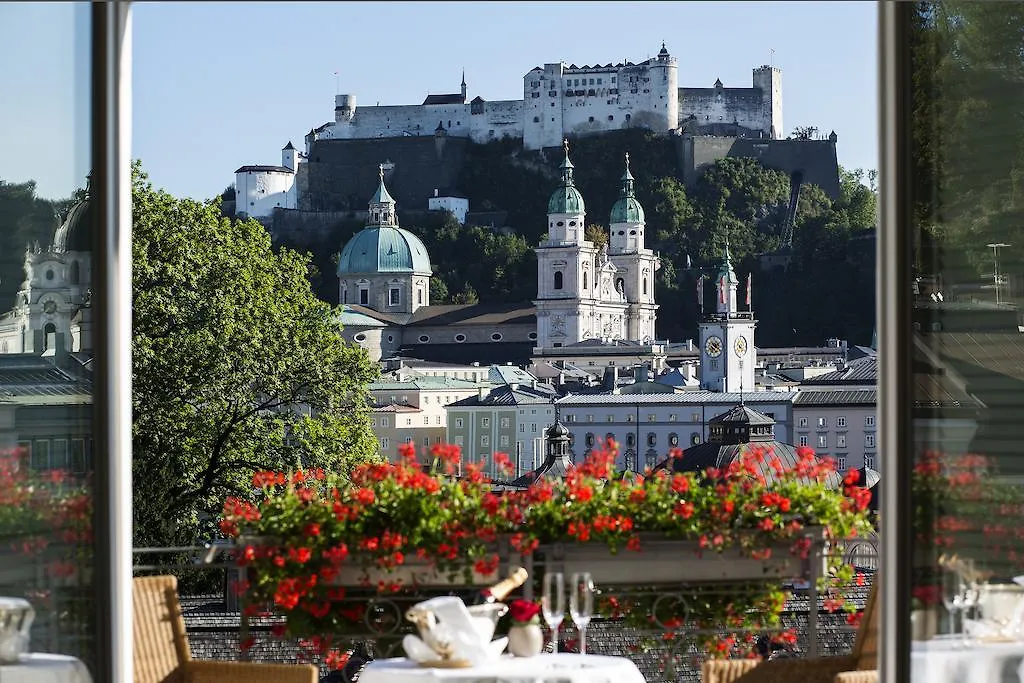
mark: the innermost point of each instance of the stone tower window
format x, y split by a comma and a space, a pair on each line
645, 285
584, 279
558, 279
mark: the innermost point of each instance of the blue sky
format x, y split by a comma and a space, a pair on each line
219, 85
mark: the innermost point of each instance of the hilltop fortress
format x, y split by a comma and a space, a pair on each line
560, 101
423, 146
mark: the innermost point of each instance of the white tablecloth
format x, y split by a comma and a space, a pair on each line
943, 661
547, 668
45, 668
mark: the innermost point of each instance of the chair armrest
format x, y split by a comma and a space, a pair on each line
809, 670
249, 672
870, 676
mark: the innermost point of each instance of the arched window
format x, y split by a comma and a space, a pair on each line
558, 279
73, 273
645, 285
620, 284
584, 279
47, 331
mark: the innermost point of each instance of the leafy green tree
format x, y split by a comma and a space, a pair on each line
237, 366
598, 234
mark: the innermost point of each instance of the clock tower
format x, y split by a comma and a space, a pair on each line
727, 354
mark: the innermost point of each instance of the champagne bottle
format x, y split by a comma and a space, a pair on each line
500, 590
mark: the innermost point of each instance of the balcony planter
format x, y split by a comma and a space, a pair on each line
662, 560
394, 526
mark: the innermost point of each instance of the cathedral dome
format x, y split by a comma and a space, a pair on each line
566, 198
384, 249
626, 208
75, 233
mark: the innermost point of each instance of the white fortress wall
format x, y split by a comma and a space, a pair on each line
399, 120
503, 117
724, 105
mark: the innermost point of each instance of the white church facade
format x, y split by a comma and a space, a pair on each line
562, 100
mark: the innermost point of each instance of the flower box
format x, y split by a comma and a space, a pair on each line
662, 560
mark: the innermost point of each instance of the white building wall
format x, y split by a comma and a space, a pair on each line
258, 193
456, 205
501, 119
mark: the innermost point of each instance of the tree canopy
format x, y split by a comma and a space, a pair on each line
237, 366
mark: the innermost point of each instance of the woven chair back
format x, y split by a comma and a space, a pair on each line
160, 641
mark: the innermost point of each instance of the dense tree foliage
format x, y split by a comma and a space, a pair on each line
237, 366
967, 128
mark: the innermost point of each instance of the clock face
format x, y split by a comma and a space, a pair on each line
50, 306
740, 346
713, 347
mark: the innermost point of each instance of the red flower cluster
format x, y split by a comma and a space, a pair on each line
523, 611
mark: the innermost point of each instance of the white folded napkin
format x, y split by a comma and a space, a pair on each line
985, 629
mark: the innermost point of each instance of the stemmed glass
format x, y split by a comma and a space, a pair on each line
953, 589
581, 605
552, 604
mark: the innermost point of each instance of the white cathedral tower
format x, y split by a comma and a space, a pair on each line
636, 265
585, 292
728, 356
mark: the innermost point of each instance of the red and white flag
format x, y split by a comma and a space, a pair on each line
748, 289
721, 290
700, 292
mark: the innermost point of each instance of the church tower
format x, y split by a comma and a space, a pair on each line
727, 348
635, 264
577, 297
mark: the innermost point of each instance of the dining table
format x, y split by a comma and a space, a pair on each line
563, 667
40, 667
956, 660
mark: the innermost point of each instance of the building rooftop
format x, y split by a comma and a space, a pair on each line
263, 169
690, 397
425, 384
863, 397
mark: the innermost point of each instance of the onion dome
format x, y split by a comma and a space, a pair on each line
627, 209
566, 198
75, 233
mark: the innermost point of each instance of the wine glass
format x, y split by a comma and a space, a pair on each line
553, 604
952, 597
581, 605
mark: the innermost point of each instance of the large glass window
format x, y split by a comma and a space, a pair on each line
963, 325
48, 321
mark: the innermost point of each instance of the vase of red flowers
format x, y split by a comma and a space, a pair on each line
525, 639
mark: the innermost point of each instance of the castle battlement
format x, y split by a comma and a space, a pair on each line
560, 101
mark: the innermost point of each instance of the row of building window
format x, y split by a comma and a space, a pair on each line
651, 417
869, 421
73, 455
804, 440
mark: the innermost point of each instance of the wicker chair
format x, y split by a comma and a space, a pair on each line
162, 653
860, 666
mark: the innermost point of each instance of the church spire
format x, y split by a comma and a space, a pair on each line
463, 85
627, 182
382, 204
567, 167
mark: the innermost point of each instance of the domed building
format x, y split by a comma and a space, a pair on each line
734, 432
52, 306
384, 287
383, 266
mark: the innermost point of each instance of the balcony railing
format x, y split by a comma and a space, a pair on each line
662, 651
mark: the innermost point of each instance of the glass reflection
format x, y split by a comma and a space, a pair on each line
47, 224
968, 149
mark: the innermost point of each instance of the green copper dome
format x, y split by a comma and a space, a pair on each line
384, 249
627, 209
566, 198
382, 246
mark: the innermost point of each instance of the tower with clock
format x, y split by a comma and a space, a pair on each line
727, 353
